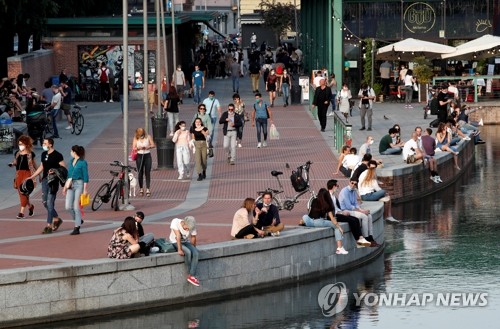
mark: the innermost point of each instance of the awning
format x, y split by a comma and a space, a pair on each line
410, 48
477, 48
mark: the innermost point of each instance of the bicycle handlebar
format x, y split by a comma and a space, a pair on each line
117, 163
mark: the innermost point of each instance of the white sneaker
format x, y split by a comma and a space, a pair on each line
259, 145
264, 144
341, 251
111, 101
466, 138
434, 179
154, 250
68, 127
180, 177
438, 179
104, 101
239, 144
391, 219
275, 233
363, 242
480, 123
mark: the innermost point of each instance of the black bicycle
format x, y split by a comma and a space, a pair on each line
77, 120
113, 191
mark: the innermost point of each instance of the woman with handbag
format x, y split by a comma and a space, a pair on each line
182, 140
76, 185
142, 144
25, 164
199, 135
171, 108
239, 108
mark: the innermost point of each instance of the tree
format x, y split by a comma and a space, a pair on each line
277, 16
423, 70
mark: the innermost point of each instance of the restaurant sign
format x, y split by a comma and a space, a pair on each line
419, 18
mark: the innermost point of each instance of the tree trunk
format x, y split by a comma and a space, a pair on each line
7, 50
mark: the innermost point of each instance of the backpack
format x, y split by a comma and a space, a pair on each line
104, 75
279, 70
298, 181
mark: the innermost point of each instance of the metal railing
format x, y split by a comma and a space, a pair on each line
490, 86
342, 132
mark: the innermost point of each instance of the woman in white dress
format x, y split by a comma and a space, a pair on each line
343, 99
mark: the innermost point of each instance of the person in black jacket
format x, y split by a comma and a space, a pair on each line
146, 241
322, 98
231, 121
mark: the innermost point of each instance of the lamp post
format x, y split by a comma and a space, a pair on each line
174, 56
145, 77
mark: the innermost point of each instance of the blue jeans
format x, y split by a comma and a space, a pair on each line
73, 201
374, 196
392, 150
261, 125
48, 200
54, 114
321, 222
191, 255
333, 101
286, 92
197, 94
236, 84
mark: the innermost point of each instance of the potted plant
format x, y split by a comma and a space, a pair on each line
422, 70
377, 88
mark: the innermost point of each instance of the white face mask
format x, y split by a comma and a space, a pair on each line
45, 148
371, 142
22, 147
183, 128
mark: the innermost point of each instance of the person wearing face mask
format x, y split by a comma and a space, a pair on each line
76, 185
348, 199
179, 79
322, 97
199, 135
271, 80
51, 160
366, 149
267, 215
285, 86
343, 100
213, 107
143, 143
231, 122
182, 140
25, 164
259, 118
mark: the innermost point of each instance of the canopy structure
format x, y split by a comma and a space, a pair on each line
410, 48
486, 46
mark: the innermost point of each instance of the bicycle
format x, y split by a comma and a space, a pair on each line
288, 202
77, 120
111, 190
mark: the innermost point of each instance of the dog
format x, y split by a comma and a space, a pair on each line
133, 183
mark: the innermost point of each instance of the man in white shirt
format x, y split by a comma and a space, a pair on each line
411, 151
213, 108
183, 238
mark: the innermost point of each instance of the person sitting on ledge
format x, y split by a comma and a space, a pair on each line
366, 149
443, 138
350, 161
371, 191
387, 147
411, 152
125, 240
244, 224
343, 154
268, 217
183, 239
348, 198
362, 166
321, 215
428, 146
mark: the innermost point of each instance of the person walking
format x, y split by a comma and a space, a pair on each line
344, 101
206, 120
235, 75
333, 87
231, 121
199, 135
56, 107
213, 107
121, 90
179, 80
239, 108
25, 164
171, 107
285, 83
52, 162
261, 113
198, 82
182, 140
76, 185
367, 96
254, 69
271, 81
409, 80
322, 98
103, 76
143, 143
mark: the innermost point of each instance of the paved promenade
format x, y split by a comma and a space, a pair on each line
212, 202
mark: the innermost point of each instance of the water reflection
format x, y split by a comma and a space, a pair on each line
448, 242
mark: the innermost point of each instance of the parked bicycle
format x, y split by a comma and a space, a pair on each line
77, 119
300, 182
39, 122
114, 191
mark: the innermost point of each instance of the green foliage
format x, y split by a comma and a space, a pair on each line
277, 16
367, 62
423, 70
377, 88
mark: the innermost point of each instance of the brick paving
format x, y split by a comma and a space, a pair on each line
212, 202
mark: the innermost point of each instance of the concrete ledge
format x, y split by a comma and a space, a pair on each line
103, 286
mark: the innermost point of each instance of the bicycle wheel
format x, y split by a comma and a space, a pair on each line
115, 203
78, 124
102, 196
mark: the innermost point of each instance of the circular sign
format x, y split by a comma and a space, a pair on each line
419, 18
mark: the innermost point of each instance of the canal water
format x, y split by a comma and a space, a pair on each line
444, 254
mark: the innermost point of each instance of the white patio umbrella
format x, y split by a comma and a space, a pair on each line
410, 48
477, 48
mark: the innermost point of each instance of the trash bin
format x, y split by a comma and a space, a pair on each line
159, 126
7, 138
295, 94
165, 151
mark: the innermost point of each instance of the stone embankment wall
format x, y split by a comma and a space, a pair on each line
103, 286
